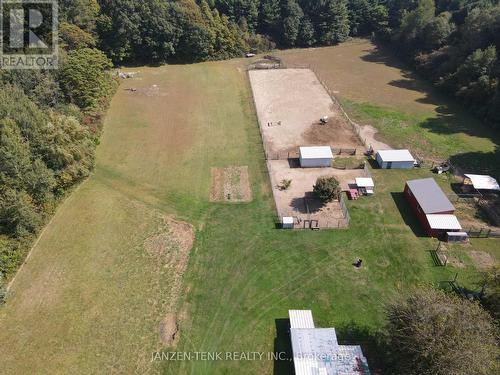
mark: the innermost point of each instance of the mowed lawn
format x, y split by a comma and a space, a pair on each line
90, 298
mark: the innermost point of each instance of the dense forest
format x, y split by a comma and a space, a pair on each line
50, 120
49, 127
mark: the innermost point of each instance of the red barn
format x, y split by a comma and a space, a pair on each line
432, 207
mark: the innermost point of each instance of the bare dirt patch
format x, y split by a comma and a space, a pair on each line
171, 244
482, 259
153, 90
299, 201
169, 330
230, 184
290, 104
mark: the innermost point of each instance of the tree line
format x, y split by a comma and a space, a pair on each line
49, 128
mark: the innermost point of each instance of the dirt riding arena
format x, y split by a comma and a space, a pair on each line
290, 104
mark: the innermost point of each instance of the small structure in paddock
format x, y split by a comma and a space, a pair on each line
432, 207
481, 182
365, 185
316, 157
395, 159
287, 222
317, 351
457, 236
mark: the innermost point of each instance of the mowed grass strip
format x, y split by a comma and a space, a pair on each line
90, 299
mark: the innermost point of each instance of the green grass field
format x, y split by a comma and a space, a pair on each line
90, 298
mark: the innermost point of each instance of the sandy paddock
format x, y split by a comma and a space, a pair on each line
291, 202
296, 99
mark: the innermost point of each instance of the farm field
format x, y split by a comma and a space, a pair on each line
103, 276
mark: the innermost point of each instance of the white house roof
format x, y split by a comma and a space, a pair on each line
301, 319
395, 155
482, 182
365, 182
316, 350
317, 152
448, 222
287, 220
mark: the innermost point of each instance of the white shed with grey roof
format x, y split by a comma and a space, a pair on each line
316, 157
395, 159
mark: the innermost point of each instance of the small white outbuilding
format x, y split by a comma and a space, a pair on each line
365, 185
316, 157
395, 159
287, 222
481, 182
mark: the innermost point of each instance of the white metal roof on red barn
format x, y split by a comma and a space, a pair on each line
443, 222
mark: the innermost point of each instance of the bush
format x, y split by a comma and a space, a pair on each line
431, 332
327, 189
285, 184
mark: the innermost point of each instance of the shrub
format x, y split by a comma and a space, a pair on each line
327, 189
431, 332
285, 184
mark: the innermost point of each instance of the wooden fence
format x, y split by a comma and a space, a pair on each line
482, 232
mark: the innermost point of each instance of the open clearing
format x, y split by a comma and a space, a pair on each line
93, 300
377, 90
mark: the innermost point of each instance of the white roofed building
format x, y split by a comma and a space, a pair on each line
365, 185
316, 351
395, 159
316, 157
481, 182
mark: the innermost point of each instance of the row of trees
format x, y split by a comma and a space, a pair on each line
189, 30
49, 127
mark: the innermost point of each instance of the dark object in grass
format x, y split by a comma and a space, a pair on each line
358, 263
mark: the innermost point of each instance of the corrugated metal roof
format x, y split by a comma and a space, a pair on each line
364, 182
482, 182
301, 319
316, 152
316, 350
430, 196
395, 155
444, 222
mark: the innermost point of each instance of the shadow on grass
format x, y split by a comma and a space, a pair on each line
479, 162
407, 214
373, 163
283, 365
435, 258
